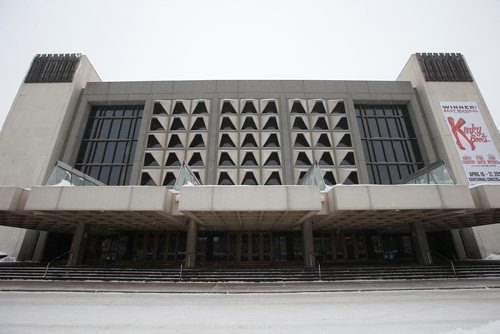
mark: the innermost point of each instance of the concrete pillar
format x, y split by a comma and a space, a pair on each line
40, 246
192, 237
28, 245
77, 245
459, 245
307, 239
470, 243
419, 238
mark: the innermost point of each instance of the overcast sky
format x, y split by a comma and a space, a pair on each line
184, 40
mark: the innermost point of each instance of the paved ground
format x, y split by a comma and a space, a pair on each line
226, 288
420, 311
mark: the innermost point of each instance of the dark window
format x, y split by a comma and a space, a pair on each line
302, 160
321, 124
249, 124
225, 180
175, 142
201, 108
196, 160
153, 142
108, 145
197, 142
299, 124
225, 160
158, 109
172, 160
199, 124
318, 108
297, 108
249, 160
301, 141
227, 108
249, 141
179, 109
270, 108
273, 160
272, 141
227, 124
271, 124
226, 141
169, 180
389, 144
249, 108
249, 180
177, 125
274, 179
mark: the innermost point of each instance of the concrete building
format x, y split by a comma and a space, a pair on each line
249, 172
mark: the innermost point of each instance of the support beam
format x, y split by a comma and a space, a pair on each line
419, 238
307, 240
40, 246
192, 237
77, 245
459, 245
470, 243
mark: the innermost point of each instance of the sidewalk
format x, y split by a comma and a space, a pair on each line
240, 288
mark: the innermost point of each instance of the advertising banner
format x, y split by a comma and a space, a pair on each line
474, 144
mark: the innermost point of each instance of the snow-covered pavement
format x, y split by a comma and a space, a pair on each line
439, 311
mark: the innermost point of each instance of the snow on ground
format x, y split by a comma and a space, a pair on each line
439, 311
493, 257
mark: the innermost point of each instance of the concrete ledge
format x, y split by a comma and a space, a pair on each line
250, 198
486, 196
399, 197
124, 198
13, 198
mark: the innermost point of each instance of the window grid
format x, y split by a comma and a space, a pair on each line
389, 143
109, 142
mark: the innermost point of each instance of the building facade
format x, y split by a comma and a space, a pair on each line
249, 172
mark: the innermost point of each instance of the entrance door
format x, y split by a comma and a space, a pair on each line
249, 248
280, 250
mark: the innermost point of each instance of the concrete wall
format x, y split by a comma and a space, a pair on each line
33, 137
430, 95
377, 92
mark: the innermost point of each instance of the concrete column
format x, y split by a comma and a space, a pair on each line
192, 237
28, 245
307, 240
40, 246
419, 238
77, 245
459, 245
470, 243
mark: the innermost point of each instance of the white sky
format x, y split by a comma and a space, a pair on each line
257, 39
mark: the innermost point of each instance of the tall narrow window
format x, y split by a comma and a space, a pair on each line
108, 146
389, 143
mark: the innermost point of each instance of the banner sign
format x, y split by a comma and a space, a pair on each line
475, 147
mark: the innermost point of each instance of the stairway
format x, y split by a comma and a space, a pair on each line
328, 273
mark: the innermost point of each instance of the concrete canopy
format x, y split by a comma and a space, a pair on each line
392, 207
353, 207
61, 209
250, 207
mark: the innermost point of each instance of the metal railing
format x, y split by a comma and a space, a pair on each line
446, 259
52, 261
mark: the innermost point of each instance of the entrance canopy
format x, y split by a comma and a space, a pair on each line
250, 208
61, 209
392, 207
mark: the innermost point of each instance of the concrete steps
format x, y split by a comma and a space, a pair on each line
328, 273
